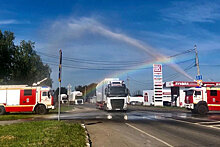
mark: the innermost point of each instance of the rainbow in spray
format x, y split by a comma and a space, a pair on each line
145, 65
88, 24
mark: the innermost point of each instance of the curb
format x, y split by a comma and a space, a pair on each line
88, 140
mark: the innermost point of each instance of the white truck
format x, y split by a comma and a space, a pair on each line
111, 94
74, 96
23, 98
64, 98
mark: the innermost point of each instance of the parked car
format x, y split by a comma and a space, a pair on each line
136, 103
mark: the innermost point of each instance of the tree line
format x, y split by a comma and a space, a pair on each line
20, 64
87, 90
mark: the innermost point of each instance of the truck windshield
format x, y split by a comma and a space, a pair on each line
117, 91
189, 92
78, 97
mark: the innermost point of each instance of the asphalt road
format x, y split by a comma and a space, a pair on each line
141, 126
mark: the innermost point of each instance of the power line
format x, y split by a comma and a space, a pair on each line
210, 65
105, 62
104, 68
137, 80
172, 76
166, 77
89, 68
184, 52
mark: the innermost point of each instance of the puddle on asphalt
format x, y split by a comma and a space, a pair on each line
132, 117
140, 116
93, 123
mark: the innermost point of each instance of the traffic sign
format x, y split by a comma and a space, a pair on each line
158, 84
199, 77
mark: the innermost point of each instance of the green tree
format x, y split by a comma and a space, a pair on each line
28, 67
6, 53
20, 64
90, 89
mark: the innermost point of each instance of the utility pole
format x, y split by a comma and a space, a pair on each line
69, 87
59, 79
197, 60
85, 94
198, 77
128, 88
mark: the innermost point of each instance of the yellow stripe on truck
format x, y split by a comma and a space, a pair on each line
214, 105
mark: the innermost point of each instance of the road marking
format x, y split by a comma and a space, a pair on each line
194, 123
149, 135
217, 125
211, 122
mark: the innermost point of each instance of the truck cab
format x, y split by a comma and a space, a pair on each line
116, 94
111, 94
196, 100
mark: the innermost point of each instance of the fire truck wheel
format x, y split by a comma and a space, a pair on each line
41, 109
2, 110
202, 109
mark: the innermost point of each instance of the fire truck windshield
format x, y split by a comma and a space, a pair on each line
117, 91
189, 92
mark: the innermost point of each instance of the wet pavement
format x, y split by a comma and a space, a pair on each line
89, 112
141, 126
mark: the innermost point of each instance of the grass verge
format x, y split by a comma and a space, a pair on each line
15, 116
43, 133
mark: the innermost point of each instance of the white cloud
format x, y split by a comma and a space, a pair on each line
199, 11
6, 22
13, 21
69, 30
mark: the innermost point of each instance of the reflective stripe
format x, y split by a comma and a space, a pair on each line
20, 106
213, 104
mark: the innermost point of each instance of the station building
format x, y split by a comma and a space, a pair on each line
178, 87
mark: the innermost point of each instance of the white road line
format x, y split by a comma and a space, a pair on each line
194, 123
217, 125
149, 135
212, 122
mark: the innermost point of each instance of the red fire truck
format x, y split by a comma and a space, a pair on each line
23, 98
204, 99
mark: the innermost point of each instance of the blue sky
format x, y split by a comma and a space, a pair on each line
89, 29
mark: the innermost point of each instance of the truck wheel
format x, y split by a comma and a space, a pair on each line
41, 109
2, 110
202, 109
105, 108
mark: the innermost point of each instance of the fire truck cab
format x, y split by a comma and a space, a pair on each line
23, 98
204, 99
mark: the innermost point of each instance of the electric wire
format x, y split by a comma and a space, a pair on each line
105, 68
106, 62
